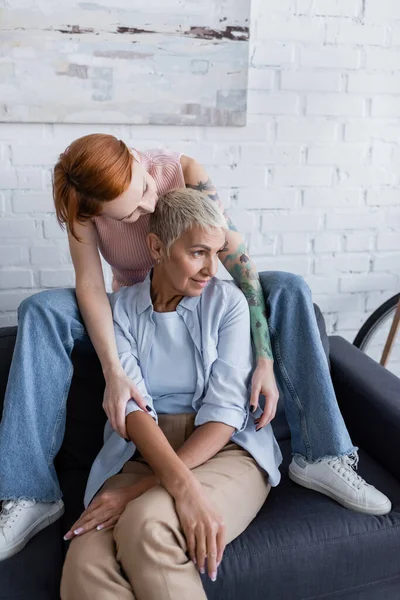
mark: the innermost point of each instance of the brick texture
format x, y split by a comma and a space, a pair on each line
312, 180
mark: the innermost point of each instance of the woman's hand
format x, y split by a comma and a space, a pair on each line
263, 382
107, 507
119, 390
203, 528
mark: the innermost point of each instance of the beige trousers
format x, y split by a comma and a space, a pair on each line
144, 556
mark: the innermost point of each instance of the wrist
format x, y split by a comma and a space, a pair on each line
265, 360
182, 487
112, 370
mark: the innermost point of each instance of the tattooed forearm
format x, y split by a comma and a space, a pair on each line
244, 272
209, 188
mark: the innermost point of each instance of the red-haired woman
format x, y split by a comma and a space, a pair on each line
104, 193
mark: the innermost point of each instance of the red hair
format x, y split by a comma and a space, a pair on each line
94, 169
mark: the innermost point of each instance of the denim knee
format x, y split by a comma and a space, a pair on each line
46, 300
289, 282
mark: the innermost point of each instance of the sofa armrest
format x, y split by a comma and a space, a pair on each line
369, 398
7, 343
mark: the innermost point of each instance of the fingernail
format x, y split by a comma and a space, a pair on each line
252, 408
148, 408
202, 570
66, 537
258, 429
195, 561
213, 576
99, 527
218, 563
78, 531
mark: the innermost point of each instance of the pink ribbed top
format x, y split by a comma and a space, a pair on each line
123, 245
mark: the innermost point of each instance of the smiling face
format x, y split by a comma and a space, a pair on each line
138, 199
192, 261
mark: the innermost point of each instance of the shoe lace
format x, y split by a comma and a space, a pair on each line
10, 511
345, 467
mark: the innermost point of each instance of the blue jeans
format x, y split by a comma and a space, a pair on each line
32, 429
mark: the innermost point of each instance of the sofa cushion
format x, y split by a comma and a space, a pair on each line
303, 545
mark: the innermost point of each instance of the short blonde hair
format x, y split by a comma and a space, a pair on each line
182, 209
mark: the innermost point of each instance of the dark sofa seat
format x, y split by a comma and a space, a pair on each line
301, 545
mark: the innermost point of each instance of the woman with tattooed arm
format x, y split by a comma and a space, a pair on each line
104, 192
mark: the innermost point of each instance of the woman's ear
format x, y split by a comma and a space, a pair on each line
155, 246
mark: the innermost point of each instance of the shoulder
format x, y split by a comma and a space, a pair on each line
225, 295
125, 297
192, 170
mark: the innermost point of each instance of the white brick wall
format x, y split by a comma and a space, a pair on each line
312, 180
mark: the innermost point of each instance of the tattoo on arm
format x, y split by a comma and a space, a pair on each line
209, 188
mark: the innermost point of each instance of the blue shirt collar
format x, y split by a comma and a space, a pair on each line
144, 297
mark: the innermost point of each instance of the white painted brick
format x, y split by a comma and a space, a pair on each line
330, 58
8, 319
327, 242
365, 283
29, 178
54, 278
392, 217
375, 299
291, 222
52, 230
351, 321
382, 153
16, 228
295, 243
388, 241
339, 302
11, 279
241, 176
363, 130
306, 130
272, 103
47, 255
337, 8
359, 242
385, 106
225, 154
383, 197
264, 245
292, 29
29, 132
11, 300
387, 262
339, 154
345, 263
335, 104
311, 80
270, 54
8, 179
33, 202
33, 155
322, 285
254, 131
302, 176
293, 264
382, 10
261, 79
345, 31
382, 59
244, 220
368, 176
13, 256
334, 197
272, 5
373, 83
268, 154
361, 219
261, 198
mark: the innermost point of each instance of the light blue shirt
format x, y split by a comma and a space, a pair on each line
172, 370
218, 323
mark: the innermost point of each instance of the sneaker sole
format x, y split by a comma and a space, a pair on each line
319, 487
45, 521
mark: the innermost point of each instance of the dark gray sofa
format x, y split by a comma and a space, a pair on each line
301, 545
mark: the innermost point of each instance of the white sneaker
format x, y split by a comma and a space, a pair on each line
20, 520
336, 478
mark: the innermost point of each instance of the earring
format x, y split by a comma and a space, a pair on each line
158, 261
